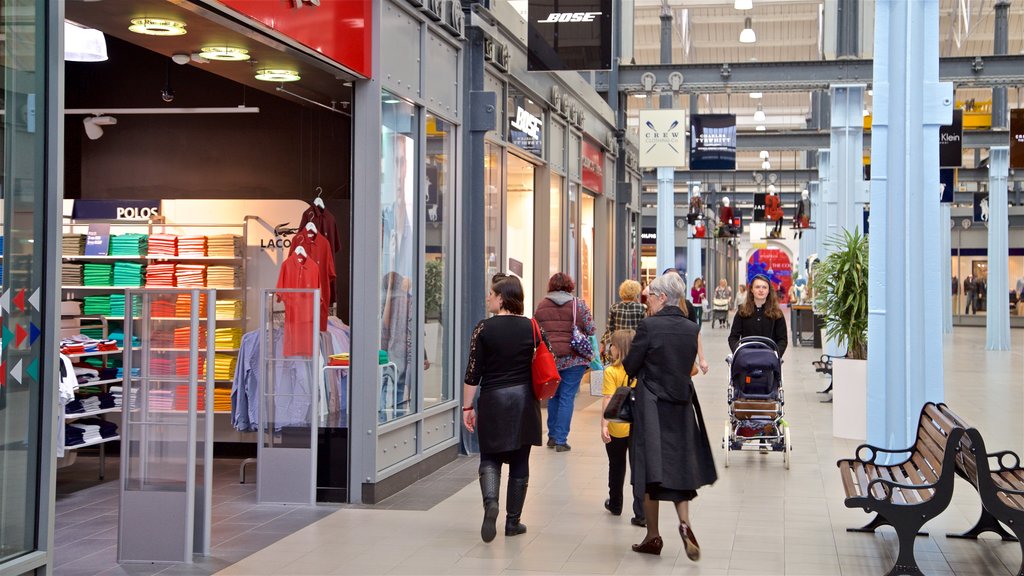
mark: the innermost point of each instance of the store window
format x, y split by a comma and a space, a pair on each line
24, 206
572, 238
586, 280
398, 260
557, 229
437, 223
519, 225
492, 209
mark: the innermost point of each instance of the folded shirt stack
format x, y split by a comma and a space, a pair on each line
71, 274
160, 366
224, 366
163, 245
116, 392
130, 244
161, 308
221, 276
227, 338
97, 274
73, 436
160, 276
338, 359
118, 337
222, 400
183, 337
182, 363
160, 400
80, 344
72, 244
117, 307
183, 306
190, 275
223, 245
191, 246
96, 305
129, 274
181, 398
230, 309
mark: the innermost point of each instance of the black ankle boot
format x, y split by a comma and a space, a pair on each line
514, 500
490, 483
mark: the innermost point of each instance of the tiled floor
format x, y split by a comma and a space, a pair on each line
758, 519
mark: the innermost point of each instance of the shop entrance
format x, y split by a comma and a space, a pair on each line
519, 224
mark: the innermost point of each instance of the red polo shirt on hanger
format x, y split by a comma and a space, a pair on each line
319, 250
298, 272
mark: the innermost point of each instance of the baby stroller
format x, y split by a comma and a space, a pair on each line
756, 401
720, 311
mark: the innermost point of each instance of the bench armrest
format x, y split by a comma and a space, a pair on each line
888, 485
875, 450
1003, 454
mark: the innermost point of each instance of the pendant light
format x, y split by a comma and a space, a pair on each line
747, 36
157, 27
277, 75
759, 115
83, 44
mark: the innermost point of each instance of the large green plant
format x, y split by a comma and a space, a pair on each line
434, 289
841, 292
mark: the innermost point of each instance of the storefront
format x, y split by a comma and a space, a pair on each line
972, 296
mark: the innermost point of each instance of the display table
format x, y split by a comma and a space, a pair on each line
801, 322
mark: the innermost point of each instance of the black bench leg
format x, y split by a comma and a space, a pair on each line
877, 522
986, 523
906, 563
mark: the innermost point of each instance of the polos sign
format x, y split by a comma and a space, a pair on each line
127, 210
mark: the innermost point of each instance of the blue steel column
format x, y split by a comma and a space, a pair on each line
694, 264
997, 315
905, 356
666, 245
847, 158
945, 259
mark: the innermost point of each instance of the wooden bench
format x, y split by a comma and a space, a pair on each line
1001, 489
823, 365
910, 492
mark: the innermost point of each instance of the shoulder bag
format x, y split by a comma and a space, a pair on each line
580, 342
620, 405
544, 371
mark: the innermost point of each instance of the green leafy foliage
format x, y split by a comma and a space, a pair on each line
841, 292
434, 289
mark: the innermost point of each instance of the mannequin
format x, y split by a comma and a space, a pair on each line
773, 211
696, 206
726, 227
699, 230
803, 215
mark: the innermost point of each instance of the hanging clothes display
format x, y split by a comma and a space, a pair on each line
319, 250
298, 271
293, 387
325, 224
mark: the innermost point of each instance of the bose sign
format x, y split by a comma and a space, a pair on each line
569, 35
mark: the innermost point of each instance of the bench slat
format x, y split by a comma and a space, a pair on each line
897, 494
925, 467
849, 479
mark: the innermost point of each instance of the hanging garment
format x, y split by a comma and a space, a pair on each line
325, 225
298, 272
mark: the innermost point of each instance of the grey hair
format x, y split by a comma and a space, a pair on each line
670, 284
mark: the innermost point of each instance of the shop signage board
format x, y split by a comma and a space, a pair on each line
97, 239
1017, 139
649, 236
569, 35
662, 140
525, 123
947, 184
951, 140
593, 167
981, 206
713, 142
759, 206
128, 210
340, 30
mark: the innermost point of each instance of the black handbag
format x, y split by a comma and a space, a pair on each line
620, 405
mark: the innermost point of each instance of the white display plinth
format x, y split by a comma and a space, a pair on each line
849, 398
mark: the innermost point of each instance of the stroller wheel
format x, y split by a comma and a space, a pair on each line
727, 443
788, 445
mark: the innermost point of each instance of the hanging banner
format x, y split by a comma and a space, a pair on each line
947, 184
1017, 139
569, 35
525, 123
951, 140
593, 167
662, 140
759, 206
981, 206
712, 142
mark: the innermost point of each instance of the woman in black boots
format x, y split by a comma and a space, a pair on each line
507, 415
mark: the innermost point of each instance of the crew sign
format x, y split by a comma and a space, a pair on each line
662, 140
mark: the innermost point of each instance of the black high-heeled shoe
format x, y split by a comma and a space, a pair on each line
652, 546
689, 542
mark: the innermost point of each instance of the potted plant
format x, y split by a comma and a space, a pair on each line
841, 294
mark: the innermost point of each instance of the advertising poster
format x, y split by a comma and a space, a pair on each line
569, 35
947, 184
593, 167
951, 139
776, 265
759, 208
712, 142
1017, 139
662, 141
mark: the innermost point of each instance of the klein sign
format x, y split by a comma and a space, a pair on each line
128, 210
951, 142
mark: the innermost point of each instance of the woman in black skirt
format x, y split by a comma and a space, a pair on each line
671, 455
507, 415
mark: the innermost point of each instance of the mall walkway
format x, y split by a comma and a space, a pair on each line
758, 519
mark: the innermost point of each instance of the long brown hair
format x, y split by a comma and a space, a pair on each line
621, 339
771, 303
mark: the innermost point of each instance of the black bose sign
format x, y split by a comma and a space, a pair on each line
951, 142
570, 35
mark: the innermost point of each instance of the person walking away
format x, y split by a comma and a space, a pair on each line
616, 434
699, 294
969, 289
623, 315
507, 414
759, 315
557, 313
671, 455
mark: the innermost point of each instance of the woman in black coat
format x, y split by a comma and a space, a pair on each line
507, 414
671, 456
759, 316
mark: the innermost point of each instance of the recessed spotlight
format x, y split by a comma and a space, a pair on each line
224, 53
277, 75
157, 27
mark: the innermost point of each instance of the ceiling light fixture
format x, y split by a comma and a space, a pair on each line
763, 155
157, 27
760, 128
83, 44
747, 36
93, 125
224, 53
756, 95
277, 75
759, 115
743, 4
